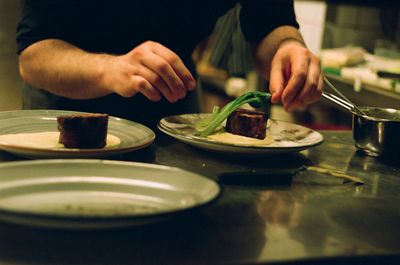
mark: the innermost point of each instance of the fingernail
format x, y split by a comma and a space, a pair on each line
192, 85
273, 98
172, 99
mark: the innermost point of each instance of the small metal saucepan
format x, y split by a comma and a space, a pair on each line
376, 131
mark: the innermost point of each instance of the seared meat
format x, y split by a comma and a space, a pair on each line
247, 123
83, 131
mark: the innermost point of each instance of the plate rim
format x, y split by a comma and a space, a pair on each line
73, 151
161, 127
117, 218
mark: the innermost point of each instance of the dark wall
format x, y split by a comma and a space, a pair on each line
10, 82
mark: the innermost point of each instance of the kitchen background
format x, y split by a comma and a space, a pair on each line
374, 27
10, 82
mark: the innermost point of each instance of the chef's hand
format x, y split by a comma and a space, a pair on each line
296, 77
150, 69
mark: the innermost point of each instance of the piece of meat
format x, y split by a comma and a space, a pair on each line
247, 123
83, 130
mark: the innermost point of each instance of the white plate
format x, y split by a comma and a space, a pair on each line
132, 135
286, 137
94, 194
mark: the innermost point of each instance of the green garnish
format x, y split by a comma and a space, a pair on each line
256, 99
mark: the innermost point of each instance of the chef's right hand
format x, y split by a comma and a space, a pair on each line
150, 69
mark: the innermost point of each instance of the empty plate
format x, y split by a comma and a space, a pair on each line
93, 194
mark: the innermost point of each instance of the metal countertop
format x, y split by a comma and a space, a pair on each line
314, 219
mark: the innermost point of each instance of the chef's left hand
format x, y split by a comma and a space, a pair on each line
296, 77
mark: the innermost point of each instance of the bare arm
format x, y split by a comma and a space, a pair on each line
66, 70
293, 71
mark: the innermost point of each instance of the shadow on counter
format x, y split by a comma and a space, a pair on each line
218, 234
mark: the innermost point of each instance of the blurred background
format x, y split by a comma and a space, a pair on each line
10, 82
357, 41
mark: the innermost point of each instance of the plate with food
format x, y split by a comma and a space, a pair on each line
98, 194
234, 129
69, 134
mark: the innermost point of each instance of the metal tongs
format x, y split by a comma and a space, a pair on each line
342, 100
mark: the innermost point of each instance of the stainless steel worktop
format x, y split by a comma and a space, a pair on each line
315, 217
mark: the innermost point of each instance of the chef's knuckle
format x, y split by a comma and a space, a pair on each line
128, 92
161, 67
150, 43
137, 53
316, 60
172, 59
300, 74
313, 85
157, 80
305, 52
141, 84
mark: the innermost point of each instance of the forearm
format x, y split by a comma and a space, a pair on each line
265, 50
65, 70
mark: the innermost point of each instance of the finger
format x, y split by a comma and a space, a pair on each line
299, 69
310, 87
311, 98
318, 93
276, 81
162, 68
177, 64
156, 81
143, 86
320, 87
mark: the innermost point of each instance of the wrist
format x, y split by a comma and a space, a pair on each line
290, 40
103, 72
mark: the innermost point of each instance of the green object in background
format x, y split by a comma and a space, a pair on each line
332, 71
